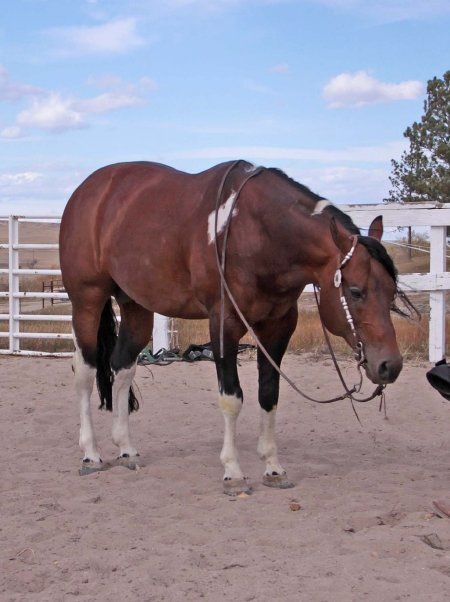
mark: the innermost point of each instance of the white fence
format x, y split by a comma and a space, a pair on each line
14, 294
436, 282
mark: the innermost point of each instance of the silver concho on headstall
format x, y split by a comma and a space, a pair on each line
337, 278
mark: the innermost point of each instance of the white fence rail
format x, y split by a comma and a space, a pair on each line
436, 282
14, 294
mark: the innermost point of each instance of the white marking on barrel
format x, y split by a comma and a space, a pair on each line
222, 217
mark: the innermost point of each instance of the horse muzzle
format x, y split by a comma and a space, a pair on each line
385, 370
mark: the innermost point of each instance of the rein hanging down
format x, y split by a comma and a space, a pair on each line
224, 288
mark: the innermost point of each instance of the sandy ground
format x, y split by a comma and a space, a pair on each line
166, 531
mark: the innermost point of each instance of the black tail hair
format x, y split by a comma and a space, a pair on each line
106, 340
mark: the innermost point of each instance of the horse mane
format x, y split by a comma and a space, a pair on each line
374, 247
300, 187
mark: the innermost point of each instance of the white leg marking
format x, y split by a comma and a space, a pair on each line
267, 447
121, 429
84, 381
231, 407
222, 217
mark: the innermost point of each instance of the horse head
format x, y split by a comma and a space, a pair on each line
358, 286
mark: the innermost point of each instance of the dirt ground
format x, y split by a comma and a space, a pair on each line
166, 531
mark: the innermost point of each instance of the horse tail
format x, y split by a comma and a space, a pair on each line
106, 341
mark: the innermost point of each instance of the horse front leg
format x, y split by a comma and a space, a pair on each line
275, 336
230, 401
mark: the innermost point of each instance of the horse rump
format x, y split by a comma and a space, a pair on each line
106, 341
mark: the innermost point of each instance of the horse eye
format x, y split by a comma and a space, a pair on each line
356, 293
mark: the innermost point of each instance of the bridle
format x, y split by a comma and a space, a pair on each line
224, 288
337, 281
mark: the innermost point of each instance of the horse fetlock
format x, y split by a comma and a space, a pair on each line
274, 468
265, 449
232, 471
92, 455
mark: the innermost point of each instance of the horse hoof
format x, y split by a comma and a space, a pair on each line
279, 481
127, 461
235, 487
89, 467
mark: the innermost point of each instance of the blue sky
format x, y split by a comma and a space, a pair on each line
321, 88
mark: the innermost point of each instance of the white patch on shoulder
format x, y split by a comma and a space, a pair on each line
222, 217
320, 206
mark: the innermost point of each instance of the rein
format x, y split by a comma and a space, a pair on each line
224, 288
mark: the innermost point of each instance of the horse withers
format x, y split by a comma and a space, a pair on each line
145, 234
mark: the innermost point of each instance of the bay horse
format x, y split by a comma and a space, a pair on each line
145, 234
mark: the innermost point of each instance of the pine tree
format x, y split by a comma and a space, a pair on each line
423, 172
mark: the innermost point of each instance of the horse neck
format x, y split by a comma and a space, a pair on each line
303, 241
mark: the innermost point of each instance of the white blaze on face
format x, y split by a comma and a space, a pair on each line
222, 217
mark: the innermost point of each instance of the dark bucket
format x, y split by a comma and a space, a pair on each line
439, 378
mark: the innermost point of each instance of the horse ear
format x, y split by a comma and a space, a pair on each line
376, 228
340, 237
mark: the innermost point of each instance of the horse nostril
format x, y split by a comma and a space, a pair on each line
383, 370
389, 370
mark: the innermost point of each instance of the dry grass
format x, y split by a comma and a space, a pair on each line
308, 336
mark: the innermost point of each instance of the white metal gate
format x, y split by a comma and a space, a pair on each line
14, 295
436, 282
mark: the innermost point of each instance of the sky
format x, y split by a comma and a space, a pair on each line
323, 89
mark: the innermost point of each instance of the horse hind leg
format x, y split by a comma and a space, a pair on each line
134, 333
86, 320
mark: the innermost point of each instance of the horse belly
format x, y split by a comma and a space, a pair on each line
152, 284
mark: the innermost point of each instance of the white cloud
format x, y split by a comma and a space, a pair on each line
13, 91
52, 113
17, 179
114, 37
359, 89
280, 68
39, 185
343, 184
358, 154
11, 132
108, 101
